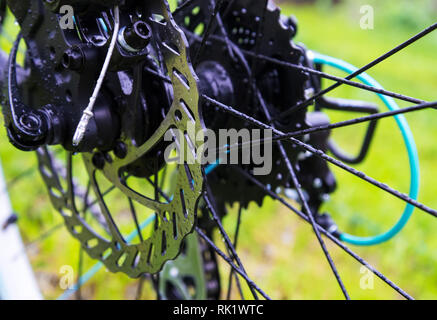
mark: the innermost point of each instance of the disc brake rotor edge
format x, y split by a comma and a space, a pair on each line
176, 218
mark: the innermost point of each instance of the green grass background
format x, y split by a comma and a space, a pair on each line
281, 252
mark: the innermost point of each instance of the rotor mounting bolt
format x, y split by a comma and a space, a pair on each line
120, 150
135, 37
99, 160
107, 157
73, 59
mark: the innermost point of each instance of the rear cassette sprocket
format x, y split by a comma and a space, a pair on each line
251, 28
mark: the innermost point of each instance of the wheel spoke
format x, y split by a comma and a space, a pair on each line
334, 78
213, 29
230, 247
46, 234
135, 218
367, 67
340, 244
298, 187
184, 5
232, 273
229, 261
315, 72
25, 174
364, 177
79, 274
208, 31
332, 126
139, 292
325, 157
310, 214
260, 99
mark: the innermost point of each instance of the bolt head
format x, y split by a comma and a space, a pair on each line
120, 150
138, 36
99, 160
73, 59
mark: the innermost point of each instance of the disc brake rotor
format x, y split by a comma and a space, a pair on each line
173, 217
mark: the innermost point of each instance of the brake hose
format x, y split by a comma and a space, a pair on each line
409, 143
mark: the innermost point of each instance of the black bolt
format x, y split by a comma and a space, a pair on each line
30, 122
107, 157
120, 150
73, 59
99, 160
138, 36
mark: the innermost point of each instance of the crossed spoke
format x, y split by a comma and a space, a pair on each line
326, 157
250, 282
233, 253
300, 133
280, 138
232, 272
340, 244
289, 137
367, 67
290, 168
314, 72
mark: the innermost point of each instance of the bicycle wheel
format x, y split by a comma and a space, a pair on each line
171, 81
